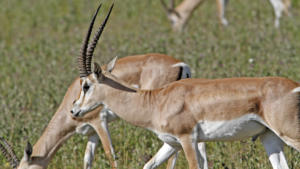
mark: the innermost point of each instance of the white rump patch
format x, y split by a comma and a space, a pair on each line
186, 71
296, 90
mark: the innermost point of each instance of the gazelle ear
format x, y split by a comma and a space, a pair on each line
97, 70
111, 65
28, 152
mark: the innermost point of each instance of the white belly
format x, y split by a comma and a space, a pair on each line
236, 129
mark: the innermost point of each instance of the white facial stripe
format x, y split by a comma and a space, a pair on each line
89, 108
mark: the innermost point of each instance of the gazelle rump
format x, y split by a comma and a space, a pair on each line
191, 110
180, 14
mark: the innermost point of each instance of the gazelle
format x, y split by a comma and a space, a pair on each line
147, 71
180, 15
189, 111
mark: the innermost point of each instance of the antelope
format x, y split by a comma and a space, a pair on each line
186, 112
180, 14
146, 71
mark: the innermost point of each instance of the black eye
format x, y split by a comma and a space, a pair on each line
86, 88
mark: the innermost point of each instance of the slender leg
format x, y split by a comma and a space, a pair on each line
287, 6
165, 152
90, 151
278, 8
180, 16
100, 126
172, 161
192, 154
274, 148
221, 11
201, 147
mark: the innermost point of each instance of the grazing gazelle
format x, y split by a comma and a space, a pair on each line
147, 71
189, 111
180, 15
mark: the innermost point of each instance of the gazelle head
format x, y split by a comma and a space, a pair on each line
27, 161
93, 82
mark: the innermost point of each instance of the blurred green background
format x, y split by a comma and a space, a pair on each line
40, 40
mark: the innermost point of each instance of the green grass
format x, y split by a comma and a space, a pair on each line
39, 42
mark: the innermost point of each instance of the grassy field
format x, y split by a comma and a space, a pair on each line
40, 40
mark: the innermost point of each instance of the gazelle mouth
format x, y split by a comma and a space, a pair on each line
82, 112
77, 114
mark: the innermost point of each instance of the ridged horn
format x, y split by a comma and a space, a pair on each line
93, 44
8, 152
82, 57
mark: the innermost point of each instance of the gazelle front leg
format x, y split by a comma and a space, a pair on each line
192, 154
201, 147
164, 153
221, 11
278, 8
274, 148
101, 128
90, 151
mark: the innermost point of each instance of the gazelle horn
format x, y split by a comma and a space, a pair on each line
93, 44
8, 152
82, 56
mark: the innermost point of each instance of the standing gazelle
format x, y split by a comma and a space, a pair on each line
189, 111
180, 15
146, 71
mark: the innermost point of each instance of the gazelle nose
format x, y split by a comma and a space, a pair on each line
72, 112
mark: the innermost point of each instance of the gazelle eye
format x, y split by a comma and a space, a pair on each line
86, 88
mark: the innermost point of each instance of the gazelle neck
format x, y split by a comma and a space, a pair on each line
59, 129
52, 138
133, 107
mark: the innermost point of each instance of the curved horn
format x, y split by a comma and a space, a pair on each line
8, 152
93, 44
82, 56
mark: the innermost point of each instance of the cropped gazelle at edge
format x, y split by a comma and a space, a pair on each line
180, 15
149, 71
189, 111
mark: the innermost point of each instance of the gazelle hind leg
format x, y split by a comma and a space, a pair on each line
164, 153
278, 8
172, 161
90, 151
221, 11
274, 148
